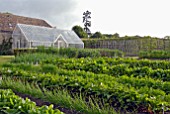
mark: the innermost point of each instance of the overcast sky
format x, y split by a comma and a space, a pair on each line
126, 17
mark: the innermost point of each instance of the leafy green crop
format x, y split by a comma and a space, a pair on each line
118, 82
12, 104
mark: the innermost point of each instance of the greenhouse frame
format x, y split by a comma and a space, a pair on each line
30, 36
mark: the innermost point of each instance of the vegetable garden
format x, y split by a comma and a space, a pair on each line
102, 85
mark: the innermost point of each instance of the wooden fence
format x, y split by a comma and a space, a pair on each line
130, 46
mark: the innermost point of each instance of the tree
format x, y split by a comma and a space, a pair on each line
116, 35
167, 37
87, 23
79, 31
6, 46
97, 35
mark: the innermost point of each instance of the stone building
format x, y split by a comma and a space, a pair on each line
7, 24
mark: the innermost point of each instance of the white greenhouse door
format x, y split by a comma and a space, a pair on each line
61, 44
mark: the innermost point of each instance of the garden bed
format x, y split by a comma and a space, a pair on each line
121, 84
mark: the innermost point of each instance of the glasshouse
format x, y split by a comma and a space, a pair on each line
30, 36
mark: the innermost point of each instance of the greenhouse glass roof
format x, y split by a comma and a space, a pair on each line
48, 35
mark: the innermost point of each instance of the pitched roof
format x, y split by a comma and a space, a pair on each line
48, 35
37, 33
8, 22
71, 37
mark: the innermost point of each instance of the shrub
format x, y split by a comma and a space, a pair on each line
111, 53
155, 54
72, 52
69, 52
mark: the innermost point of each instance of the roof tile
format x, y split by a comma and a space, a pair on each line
8, 21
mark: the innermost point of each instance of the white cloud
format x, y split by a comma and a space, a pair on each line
127, 17
130, 17
57, 12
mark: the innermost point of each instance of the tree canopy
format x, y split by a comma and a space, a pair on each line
97, 35
80, 31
